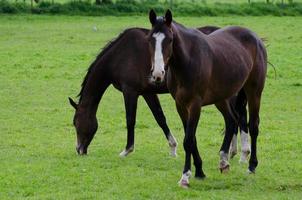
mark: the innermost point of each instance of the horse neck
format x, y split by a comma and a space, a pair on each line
183, 39
88, 105
93, 90
180, 56
183, 44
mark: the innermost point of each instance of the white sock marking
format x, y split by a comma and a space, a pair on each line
172, 144
233, 149
245, 147
224, 156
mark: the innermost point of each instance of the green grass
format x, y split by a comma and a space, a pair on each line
123, 8
43, 60
187, 1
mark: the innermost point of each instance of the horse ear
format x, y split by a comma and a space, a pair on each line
72, 103
168, 17
152, 17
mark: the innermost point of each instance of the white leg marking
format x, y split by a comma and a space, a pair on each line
245, 147
233, 148
184, 180
126, 152
224, 163
158, 62
173, 145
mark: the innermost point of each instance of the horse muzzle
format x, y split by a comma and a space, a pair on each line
158, 77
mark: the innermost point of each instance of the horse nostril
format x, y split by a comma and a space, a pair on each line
153, 77
162, 72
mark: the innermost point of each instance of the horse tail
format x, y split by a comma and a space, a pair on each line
265, 40
271, 64
261, 52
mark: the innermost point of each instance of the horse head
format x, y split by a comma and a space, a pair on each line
160, 39
85, 125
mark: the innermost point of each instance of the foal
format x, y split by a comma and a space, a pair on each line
208, 69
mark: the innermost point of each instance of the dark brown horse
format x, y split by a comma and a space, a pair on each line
130, 75
208, 69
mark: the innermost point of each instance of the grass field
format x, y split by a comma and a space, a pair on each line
189, 1
43, 60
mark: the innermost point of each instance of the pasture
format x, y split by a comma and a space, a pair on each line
43, 60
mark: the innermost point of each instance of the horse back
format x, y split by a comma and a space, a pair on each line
237, 58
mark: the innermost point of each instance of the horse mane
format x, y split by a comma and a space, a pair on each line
104, 50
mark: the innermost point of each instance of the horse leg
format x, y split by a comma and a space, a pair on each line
183, 116
199, 174
154, 105
130, 99
254, 107
253, 89
233, 146
238, 104
230, 124
189, 142
241, 109
184, 181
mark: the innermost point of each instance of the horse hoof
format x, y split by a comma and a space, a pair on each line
225, 169
200, 177
123, 154
174, 155
126, 152
184, 181
251, 170
224, 165
184, 185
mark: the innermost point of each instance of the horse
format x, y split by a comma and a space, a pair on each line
115, 65
208, 69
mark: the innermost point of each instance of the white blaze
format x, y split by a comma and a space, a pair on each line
158, 62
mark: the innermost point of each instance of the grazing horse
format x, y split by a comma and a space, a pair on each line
208, 69
125, 63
